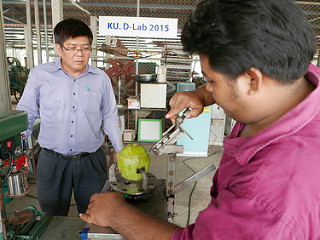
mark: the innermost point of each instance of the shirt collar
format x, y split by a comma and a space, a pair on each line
244, 148
89, 68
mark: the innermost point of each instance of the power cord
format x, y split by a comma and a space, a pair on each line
195, 184
12, 163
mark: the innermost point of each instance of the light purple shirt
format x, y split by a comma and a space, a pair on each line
268, 185
72, 110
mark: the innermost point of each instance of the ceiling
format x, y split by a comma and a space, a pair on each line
15, 16
14, 12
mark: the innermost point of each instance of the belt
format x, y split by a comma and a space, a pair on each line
63, 156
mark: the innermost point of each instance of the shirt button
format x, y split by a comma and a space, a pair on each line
74, 93
70, 150
72, 121
71, 136
73, 106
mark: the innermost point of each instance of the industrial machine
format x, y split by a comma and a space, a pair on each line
143, 188
28, 223
18, 76
169, 137
167, 145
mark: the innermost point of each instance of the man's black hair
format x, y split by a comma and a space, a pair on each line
272, 35
71, 28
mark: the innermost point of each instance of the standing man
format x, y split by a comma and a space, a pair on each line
76, 104
255, 55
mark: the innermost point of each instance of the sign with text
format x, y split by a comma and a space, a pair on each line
138, 26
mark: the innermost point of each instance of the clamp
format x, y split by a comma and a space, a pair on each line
173, 134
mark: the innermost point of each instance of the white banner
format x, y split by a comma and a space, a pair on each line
138, 26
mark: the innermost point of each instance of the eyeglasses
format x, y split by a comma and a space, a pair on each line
73, 50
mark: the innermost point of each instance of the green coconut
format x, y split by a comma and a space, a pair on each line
130, 159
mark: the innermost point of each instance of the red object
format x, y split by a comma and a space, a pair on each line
19, 162
9, 144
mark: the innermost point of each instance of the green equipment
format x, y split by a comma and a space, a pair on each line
14, 166
18, 76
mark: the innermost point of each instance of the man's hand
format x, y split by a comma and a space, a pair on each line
182, 100
102, 208
111, 210
196, 100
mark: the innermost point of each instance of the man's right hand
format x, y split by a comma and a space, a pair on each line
102, 208
195, 100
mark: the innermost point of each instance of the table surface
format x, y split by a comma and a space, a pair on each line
68, 228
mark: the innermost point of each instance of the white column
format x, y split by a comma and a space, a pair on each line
5, 102
45, 29
29, 47
28, 36
93, 26
57, 11
37, 23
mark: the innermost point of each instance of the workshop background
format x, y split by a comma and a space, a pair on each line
26, 41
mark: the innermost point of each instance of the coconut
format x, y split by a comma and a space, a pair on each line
130, 159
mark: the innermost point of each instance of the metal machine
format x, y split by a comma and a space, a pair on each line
167, 145
144, 187
18, 76
171, 136
141, 189
28, 223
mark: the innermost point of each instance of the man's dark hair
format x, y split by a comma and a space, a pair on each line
272, 35
71, 28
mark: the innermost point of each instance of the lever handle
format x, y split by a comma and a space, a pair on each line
179, 119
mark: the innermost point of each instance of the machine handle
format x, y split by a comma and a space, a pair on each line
193, 178
179, 119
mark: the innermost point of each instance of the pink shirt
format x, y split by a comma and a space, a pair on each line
268, 185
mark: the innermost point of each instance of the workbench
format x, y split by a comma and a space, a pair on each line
68, 228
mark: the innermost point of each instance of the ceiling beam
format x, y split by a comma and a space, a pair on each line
12, 20
307, 3
115, 5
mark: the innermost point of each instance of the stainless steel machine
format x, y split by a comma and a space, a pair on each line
167, 145
141, 189
28, 223
145, 187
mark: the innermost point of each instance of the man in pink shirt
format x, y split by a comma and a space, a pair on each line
255, 57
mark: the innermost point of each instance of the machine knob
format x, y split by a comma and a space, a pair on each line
18, 151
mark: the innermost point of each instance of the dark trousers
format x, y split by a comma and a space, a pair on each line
57, 177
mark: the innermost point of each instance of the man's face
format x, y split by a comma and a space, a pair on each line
75, 54
226, 92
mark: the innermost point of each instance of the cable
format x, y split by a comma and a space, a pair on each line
5, 180
195, 184
12, 163
31, 196
215, 152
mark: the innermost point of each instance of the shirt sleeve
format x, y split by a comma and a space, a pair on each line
110, 121
231, 216
29, 101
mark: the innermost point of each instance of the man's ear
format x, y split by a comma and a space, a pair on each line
58, 49
255, 80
